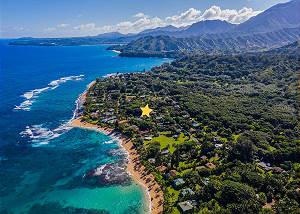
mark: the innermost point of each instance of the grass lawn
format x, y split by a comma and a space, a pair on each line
167, 141
235, 137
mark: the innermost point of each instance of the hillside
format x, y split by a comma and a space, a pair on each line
275, 27
210, 44
224, 132
205, 27
285, 15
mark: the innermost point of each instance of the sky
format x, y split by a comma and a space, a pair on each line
65, 18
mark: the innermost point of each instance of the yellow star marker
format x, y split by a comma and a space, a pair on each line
146, 111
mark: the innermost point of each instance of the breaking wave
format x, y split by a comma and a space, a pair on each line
110, 173
41, 135
31, 96
110, 75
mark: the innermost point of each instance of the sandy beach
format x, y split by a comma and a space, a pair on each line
134, 167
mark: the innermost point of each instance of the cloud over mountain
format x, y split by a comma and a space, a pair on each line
141, 21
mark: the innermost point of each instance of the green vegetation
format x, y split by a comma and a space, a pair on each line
167, 142
224, 133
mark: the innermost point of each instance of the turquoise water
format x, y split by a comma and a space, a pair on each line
45, 166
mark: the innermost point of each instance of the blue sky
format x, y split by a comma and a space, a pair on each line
59, 18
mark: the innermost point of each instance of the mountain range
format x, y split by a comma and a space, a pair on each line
276, 26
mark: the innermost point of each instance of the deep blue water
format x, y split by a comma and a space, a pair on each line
46, 167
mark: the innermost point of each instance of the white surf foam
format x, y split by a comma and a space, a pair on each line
109, 75
32, 95
41, 135
116, 51
110, 141
99, 170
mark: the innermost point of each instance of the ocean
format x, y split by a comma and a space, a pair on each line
46, 166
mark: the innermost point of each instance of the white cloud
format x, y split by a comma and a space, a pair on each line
18, 28
50, 29
233, 16
140, 15
188, 17
63, 25
141, 21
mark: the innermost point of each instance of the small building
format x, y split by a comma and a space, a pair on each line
151, 160
148, 137
218, 145
178, 182
165, 152
171, 173
265, 166
94, 115
184, 156
200, 167
205, 181
185, 207
210, 165
162, 168
277, 169
203, 157
185, 116
195, 124
216, 139
187, 192
113, 121
134, 127
109, 113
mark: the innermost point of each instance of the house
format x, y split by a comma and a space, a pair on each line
200, 167
109, 113
265, 166
195, 124
185, 207
175, 136
165, 152
170, 174
187, 192
218, 145
185, 116
134, 127
148, 138
151, 160
277, 169
203, 157
210, 165
178, 182
184, 156
162, 168
94, 115
216, 139
113, 121
205, 181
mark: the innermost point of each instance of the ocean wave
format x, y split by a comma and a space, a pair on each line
110, 173
40, 135
110, 75
32, 95
110, 141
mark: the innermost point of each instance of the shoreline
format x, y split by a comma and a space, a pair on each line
136, 170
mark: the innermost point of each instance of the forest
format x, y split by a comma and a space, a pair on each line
223, 136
